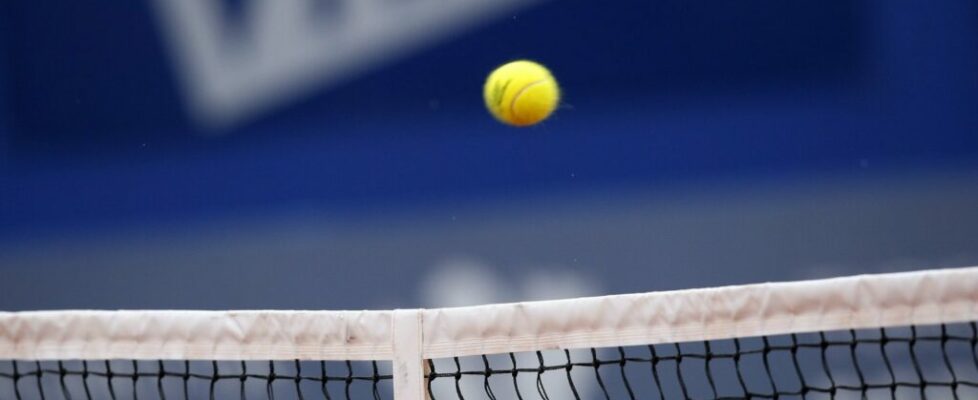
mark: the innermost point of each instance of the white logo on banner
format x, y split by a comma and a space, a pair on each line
280, 49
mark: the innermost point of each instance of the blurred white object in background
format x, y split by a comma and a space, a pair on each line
469, 281
279, 50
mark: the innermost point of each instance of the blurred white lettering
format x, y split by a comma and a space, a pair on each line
235, 68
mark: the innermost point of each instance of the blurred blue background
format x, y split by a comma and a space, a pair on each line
322, 154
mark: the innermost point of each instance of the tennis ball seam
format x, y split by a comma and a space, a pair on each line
512, 103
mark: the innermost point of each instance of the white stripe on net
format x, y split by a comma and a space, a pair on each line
196, 335
870, 301
866, 301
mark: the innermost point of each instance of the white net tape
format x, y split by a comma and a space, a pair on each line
410, 336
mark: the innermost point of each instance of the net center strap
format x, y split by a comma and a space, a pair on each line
408, 362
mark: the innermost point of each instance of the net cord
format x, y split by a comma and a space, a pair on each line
408, 337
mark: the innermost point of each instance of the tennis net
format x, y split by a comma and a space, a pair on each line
905, 336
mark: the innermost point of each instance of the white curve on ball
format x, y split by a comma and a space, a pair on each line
512, 103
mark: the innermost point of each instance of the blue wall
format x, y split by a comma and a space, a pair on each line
4, 93
701, 143
656, 92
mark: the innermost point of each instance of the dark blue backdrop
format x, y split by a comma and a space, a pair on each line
700, 143
656, 91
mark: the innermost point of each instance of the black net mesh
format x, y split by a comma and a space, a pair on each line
923, 362
128, 379
927, 362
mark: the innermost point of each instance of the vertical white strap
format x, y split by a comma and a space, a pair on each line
409, 382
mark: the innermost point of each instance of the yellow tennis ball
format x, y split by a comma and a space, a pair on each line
521, 93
